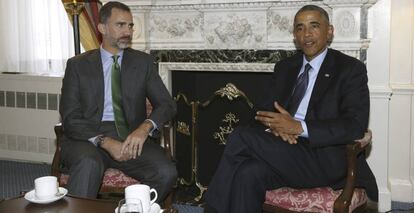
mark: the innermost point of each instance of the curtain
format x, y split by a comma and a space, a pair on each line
88, 23
90, 37
36, 36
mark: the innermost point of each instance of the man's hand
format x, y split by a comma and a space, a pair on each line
113, 147
291, 139
281, 123
133, 144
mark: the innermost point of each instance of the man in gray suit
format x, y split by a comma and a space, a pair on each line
93, 140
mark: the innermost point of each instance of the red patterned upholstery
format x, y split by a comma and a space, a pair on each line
311, 200
113, 178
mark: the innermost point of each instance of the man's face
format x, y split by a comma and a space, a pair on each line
117, 31
312, 33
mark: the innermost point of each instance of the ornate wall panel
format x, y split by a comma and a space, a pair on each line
175, 26
241, 24
235, 30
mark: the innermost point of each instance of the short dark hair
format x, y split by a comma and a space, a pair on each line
106, 10
311, 7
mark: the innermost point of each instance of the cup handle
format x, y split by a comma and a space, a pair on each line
155, 197
120, 204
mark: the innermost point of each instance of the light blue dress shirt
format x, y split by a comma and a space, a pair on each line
107, 61
313, 74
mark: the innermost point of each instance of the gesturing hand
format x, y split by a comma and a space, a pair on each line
281, 123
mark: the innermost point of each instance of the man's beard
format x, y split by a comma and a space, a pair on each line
123, 42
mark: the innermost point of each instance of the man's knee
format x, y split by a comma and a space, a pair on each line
251, 170
167, 175
87, 164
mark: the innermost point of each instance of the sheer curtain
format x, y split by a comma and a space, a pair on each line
36, 36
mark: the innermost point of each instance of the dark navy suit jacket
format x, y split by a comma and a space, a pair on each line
337, 114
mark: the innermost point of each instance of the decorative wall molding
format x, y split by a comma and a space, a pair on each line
403, 89
380, 92
220, 4
165, 68
241, 24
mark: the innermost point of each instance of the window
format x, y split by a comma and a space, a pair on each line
36, 36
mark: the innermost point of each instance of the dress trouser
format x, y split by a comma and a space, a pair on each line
255, 161
87, 163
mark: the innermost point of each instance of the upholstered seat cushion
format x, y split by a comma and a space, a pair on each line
113, 178
311, 200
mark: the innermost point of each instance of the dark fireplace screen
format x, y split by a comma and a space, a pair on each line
209, 106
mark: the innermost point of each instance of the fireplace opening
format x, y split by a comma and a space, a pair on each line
220, 102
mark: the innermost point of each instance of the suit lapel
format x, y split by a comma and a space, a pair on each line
292, 74
97, 71
326, 73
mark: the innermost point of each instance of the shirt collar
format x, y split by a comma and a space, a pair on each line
105, 55
317, 61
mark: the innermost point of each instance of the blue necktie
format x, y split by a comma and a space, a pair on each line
120, 123
299, 91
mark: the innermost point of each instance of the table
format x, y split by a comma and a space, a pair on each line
68, 204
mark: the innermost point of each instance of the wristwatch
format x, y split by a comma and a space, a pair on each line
99, 140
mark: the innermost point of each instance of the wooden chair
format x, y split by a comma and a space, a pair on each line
323, 199
114, 181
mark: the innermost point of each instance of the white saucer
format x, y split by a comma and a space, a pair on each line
155, 208
30, 196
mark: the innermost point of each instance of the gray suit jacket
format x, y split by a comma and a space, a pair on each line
82, 100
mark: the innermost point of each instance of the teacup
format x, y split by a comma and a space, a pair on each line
140, 192
135, 207
46, 187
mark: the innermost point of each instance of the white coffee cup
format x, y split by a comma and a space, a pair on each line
140, 192
46, 187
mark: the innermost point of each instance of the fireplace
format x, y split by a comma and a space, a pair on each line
233, 36
215, 91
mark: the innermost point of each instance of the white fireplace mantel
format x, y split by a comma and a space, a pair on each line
241, 24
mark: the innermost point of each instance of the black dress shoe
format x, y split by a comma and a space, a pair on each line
208, 209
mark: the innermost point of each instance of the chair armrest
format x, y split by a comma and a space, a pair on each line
56, 158
166, 129
352, 151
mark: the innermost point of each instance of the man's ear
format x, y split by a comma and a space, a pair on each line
102, 28
330, 33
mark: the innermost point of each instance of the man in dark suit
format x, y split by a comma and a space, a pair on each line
317, 103
97, 138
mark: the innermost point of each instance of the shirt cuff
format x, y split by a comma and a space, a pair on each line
305, 129
154, 127
93, 140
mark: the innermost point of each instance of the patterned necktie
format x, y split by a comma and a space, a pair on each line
120, 123
299, 91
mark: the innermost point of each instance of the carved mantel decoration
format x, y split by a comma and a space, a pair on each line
241, 24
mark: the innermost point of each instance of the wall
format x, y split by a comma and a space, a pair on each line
28, 112
401, 149
379, 26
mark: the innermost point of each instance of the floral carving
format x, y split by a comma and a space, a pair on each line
282, 23
235, 30
238, 30
175, 27
345, 24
